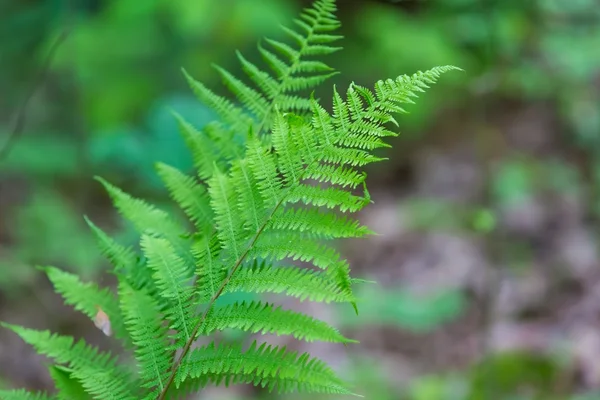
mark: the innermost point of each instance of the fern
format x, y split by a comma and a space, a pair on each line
274, 177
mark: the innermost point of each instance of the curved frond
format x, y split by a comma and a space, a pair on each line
88, 298
100, 374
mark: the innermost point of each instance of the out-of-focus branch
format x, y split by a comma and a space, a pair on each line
19, 115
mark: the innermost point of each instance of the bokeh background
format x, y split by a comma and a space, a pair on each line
487, 264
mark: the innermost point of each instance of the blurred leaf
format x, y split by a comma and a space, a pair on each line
438, 388
562, 177
513, 182
484, 221
59, 159
432, 214
49, 230
400, 307
513, 373
118, 149
111, 99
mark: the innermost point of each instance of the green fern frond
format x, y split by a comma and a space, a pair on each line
121, 257
100, 374
88, 298
191, 195
329, 197
210, 272
264, 167
272, 367
205, 153
276, 180
225, 109
150, 220
67, 387
303, 284
149, 335
145, 217
250, 201
262, 317
290, 68
127, 265
174, 281
314, 222
281, 245
228, 216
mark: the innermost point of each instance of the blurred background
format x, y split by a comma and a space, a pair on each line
487, 264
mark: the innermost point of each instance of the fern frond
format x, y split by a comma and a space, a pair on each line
174, 280
191, 195
250, 202
228, 218
149, 335
210, 271
264, 167
329, 197
257, 316
100, 374
67, 386
251, 98
290, 69
317, 223
234, 116
281, 245
304, 284
205, 153
151, 220
263, 80
145, 217
271, 367
87, 297
121, 257
126, 263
